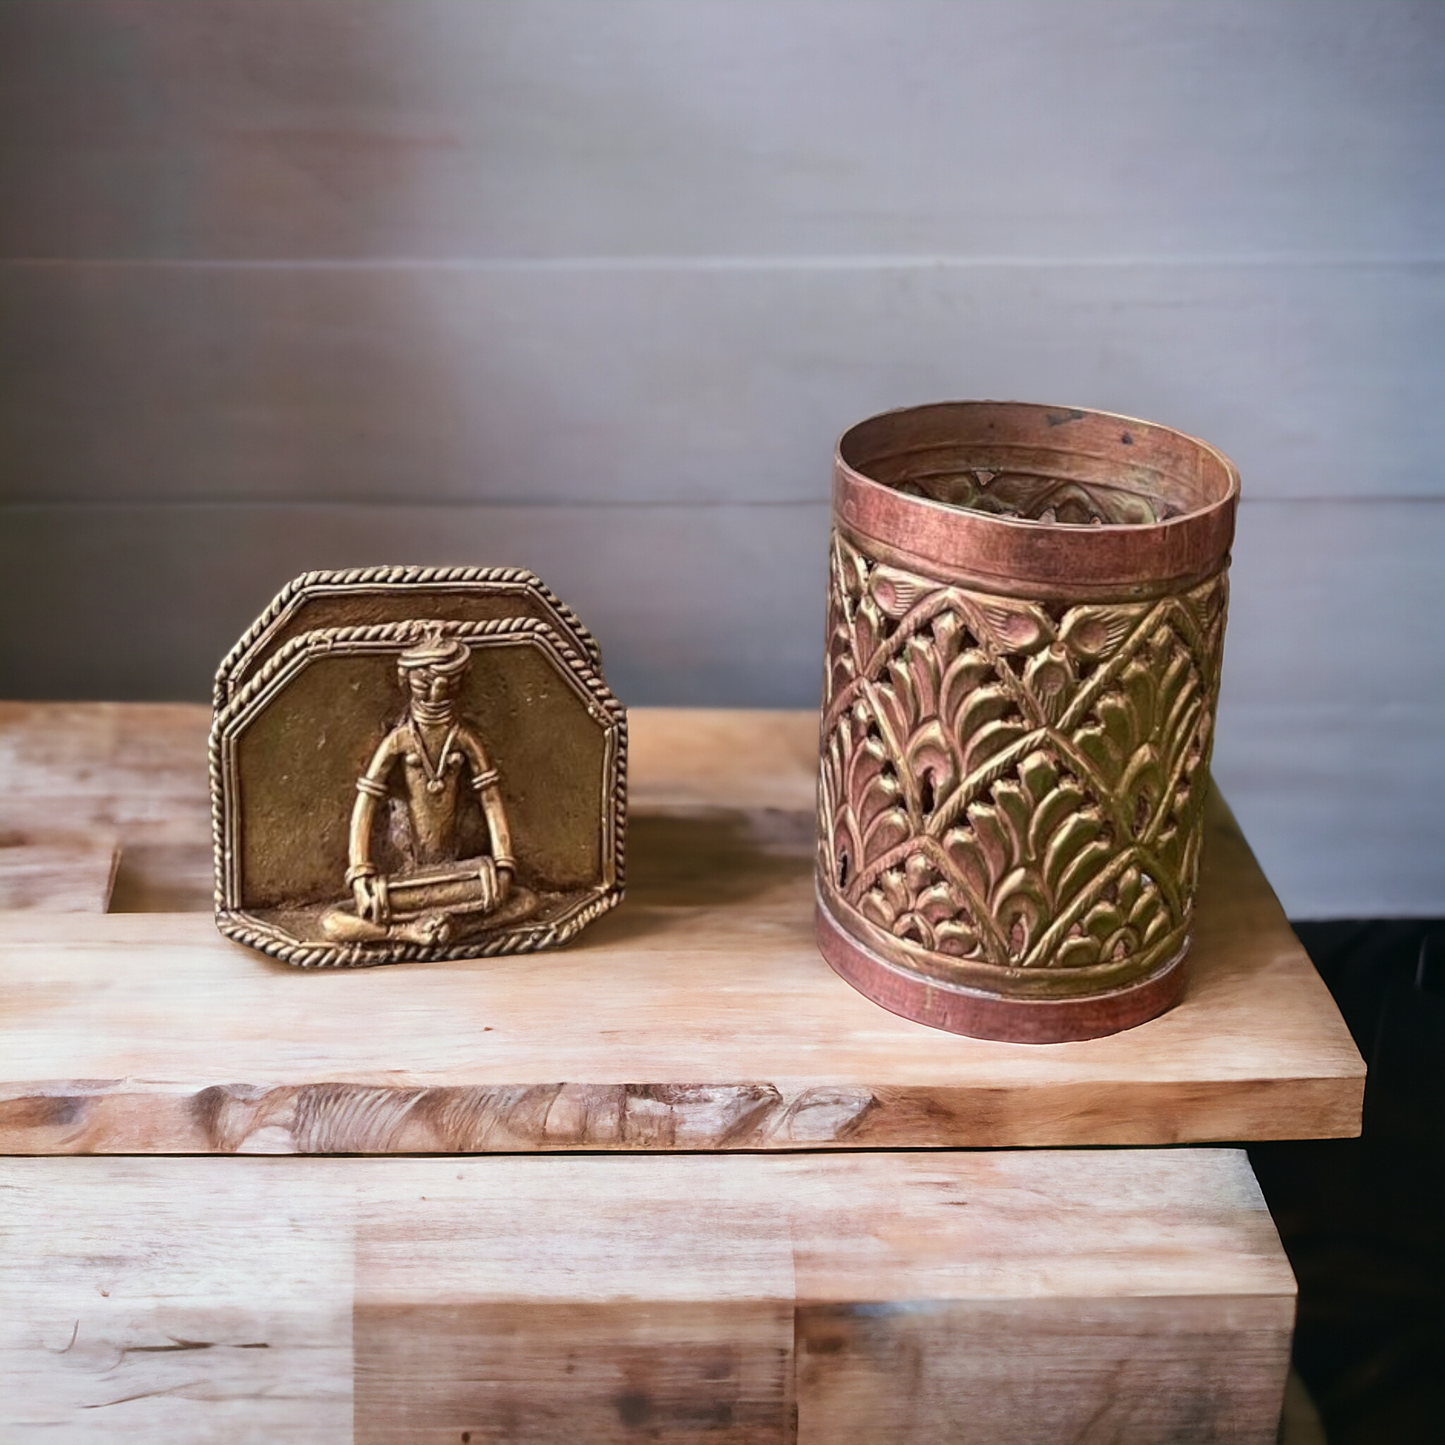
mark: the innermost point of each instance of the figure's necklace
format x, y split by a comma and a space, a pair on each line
434, 782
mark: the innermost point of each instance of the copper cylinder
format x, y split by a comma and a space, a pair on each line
1026, 614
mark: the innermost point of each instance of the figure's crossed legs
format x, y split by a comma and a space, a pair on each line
421, 907
343, 925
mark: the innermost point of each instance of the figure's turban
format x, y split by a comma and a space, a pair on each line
438, 653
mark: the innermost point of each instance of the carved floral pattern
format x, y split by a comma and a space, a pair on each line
1035, 498
1015, 783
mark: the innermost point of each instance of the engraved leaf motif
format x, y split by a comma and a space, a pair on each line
989, 757
887, 830
870, 783
1051, 679
1093, 632
957, 937
1054, 809
1011, 627
868, 630
1021, 907
914, 902
929, 757
984, 705
1067, 843
991, 739
896, 592
967, 672
1030, 851
1138, 683
966, 852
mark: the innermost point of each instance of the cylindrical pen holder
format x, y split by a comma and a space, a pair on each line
1026, 615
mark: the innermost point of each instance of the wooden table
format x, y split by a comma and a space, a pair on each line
790, 1281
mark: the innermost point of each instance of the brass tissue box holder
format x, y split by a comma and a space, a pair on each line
415, 764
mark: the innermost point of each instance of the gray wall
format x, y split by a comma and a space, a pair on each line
591, 287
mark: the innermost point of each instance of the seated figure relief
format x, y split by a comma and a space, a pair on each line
427, 773
415, 765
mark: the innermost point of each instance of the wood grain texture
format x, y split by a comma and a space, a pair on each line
57, 875
138, 772
1007, 1297
442, 128
699, 1016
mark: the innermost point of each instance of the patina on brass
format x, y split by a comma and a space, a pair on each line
406, 786
1026, 623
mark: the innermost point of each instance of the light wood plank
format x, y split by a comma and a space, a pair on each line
1014, 1297
1032, 1372
135, 774
55, 876
700, 1016
413, 385
174, 1306
440, 128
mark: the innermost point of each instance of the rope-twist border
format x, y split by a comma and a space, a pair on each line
395, 576
245, 928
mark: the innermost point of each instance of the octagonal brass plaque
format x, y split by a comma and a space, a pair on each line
392, 785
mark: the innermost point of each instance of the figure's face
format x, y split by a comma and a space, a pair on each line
428, 686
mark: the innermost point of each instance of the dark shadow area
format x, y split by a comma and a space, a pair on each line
1363, 1220
703, 859
164, 878
695, 860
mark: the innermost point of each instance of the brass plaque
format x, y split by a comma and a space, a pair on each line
391, 785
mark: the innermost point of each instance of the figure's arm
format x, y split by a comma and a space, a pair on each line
485, 781
370, 790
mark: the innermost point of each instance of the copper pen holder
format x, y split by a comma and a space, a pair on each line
1026, 614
